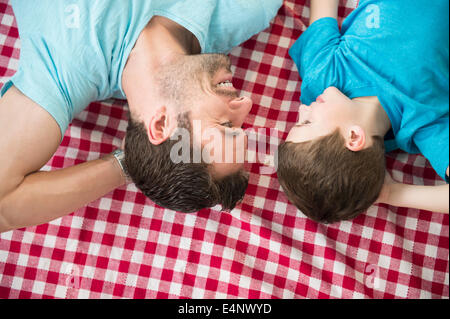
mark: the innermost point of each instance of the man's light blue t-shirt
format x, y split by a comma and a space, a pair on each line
397, 50
73, 52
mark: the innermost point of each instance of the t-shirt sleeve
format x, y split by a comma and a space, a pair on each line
221, 25
234, 22
37, 78
433, 142
314, 55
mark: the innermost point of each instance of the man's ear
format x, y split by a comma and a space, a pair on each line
161, 126
355, 139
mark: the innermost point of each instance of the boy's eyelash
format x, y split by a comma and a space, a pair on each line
304, 123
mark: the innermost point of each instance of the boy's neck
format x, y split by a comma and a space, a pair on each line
373, 116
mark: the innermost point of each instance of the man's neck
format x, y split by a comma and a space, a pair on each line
373, 116
159, 43
163, 36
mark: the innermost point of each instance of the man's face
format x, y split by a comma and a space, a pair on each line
203, 86
330, 111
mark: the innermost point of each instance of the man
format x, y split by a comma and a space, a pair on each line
149, 52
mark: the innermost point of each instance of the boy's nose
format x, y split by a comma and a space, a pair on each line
304, 111
304, 107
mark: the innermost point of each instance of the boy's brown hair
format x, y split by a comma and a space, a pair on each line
327, 181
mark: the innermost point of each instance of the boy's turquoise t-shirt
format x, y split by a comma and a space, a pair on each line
397, 50
73, 52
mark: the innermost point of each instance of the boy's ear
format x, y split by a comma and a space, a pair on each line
161, 126
356, 138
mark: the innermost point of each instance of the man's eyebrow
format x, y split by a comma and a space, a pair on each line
230, 131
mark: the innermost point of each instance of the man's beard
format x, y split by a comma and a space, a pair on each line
183, 80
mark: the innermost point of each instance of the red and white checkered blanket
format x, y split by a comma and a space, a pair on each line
124, 246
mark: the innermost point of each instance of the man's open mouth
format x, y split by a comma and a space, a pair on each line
225, 84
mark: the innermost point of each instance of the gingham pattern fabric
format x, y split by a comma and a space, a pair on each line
124, 246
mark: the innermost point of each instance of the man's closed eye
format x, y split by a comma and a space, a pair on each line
227, 124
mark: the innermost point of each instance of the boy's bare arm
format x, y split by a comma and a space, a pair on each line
322, 9
431, 198
29, 138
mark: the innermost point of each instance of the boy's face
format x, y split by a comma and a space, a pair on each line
331, 110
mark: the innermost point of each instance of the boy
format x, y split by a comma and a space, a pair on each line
386, 69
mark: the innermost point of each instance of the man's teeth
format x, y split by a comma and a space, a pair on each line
226, 84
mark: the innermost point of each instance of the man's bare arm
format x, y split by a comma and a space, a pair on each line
29, 138
44, 196
323, 9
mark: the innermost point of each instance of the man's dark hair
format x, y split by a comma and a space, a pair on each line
328, 182
183, 187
